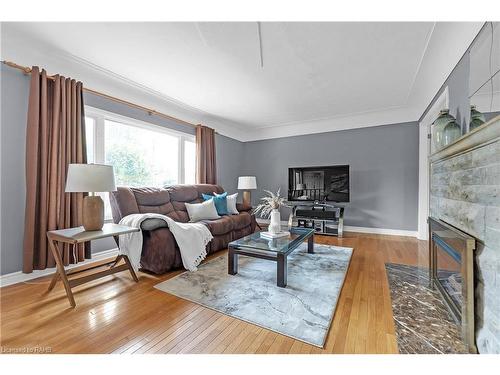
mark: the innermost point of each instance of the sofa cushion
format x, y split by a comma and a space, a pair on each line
151, 196
183, 193
153, 200
220, 226
123, 203
243, 219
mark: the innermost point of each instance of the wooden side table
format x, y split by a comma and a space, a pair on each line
78, 235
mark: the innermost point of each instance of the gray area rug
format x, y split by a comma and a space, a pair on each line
303, 310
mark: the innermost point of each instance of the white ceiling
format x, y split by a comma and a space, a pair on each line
315, 76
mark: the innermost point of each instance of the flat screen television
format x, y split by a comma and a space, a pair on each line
319, 183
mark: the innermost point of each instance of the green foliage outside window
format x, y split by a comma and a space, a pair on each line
130, 167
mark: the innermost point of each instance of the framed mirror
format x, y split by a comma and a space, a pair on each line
484, 77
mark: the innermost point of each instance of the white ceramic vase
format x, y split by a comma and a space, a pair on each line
275, 224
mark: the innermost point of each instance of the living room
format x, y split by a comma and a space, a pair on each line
250, 187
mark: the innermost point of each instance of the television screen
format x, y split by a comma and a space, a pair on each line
319, 183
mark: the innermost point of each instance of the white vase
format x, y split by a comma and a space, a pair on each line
275, 224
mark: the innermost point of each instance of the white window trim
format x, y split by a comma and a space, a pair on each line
101, 113
424, 151
99, 116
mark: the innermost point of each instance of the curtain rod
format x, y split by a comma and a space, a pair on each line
27, 70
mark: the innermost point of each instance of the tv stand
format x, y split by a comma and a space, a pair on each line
325, 218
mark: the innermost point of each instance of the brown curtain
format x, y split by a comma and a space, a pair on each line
206, 172
55, 137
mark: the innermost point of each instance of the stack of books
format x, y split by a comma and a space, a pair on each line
271, 236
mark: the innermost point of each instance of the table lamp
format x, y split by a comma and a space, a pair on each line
91, 178
247, 183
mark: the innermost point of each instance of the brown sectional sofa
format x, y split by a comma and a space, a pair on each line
160, 252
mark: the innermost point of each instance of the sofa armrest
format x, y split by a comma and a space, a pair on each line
153, 224
243, 208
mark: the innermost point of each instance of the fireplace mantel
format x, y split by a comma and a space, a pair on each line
487, 133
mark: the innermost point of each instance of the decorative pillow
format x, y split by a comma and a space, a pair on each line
220, 202
202, 211
231, 204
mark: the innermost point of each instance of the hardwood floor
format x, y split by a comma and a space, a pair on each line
116, 315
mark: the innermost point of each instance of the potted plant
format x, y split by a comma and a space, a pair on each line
270, 207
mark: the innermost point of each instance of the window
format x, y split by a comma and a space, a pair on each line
142, 154
141, 157
189, 161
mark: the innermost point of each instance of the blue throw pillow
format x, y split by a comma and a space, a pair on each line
220, 202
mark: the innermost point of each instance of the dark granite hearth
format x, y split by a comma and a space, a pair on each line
422, 321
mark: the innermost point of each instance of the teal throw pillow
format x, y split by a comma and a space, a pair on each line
220, 202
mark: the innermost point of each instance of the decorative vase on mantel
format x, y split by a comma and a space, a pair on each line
452, 131
476, 118
438, 129
275, 223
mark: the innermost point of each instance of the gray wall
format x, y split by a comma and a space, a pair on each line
383, 163
229, 154
14, 104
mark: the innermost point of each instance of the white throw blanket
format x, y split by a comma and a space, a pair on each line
192, 239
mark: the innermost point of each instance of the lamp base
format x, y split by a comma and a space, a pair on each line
247, 199
93, 213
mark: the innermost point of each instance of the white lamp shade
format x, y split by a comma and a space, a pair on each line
247, 183
90, 178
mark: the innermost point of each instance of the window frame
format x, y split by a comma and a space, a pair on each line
100, 116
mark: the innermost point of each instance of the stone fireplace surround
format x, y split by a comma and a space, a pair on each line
465, 193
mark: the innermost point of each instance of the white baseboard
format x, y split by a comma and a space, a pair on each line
19, 277
349, 228
390, 232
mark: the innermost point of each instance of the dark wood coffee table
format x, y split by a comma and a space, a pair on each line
276, 250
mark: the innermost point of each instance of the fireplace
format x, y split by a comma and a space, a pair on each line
451, 270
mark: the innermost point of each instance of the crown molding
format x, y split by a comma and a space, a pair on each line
326, 118
391, 116
132, 83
